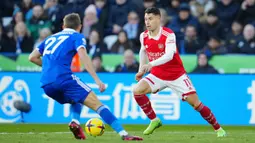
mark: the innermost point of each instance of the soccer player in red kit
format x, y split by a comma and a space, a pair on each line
166, 71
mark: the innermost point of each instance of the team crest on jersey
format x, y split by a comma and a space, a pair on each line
161, 46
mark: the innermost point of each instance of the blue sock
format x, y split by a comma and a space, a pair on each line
76, 111
111, 120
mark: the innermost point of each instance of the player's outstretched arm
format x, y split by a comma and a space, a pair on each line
142, 58
35, 57
89, 67
142, 61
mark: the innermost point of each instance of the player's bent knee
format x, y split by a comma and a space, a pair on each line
193, 100
92, 101
141, 88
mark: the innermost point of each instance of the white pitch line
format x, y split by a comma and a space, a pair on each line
112, 132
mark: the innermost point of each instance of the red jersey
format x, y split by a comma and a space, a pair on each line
155, 48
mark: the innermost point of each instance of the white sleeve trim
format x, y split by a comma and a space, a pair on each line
81, 46
141, 40
38, 50
170, 50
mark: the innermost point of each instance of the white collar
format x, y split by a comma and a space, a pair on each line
156, 37
69, 29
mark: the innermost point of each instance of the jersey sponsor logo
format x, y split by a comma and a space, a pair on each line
12, 90
153, 56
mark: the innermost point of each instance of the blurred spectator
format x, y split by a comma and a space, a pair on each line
90, 20
130, 64
164, 17
148, 3
17, 17
39, 1
26, 8
95, 46
24, 42
122, 44
133, 29
247, 12
118, 16
50, 7
203, 67
132, 26
38, 21
184, 18
200, 8
173, 8
234, 36
214, 47
44, 33
53, 11
65, 7
192, 42
227, 11
77, 6
247, 44
212, 27
7, 40
102, 15
97, 63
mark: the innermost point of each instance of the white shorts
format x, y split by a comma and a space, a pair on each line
181, 86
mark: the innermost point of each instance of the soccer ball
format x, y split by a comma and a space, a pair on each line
95, 127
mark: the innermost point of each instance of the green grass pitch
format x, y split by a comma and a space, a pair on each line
59, 133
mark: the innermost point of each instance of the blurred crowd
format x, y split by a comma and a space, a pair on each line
203, 27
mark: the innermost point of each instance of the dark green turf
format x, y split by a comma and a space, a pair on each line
58, 133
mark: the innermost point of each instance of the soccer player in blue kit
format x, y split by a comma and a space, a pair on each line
59, 83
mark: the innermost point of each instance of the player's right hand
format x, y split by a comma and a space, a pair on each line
139, 76
101, 85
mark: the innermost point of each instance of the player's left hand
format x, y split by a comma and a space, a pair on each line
146, 67
101, 86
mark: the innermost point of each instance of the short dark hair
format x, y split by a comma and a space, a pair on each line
153, 10
212, 13
72, 21
190, 25
97, 55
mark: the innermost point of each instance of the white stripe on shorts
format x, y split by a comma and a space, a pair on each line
83, 85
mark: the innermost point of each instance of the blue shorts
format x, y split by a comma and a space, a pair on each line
72, 90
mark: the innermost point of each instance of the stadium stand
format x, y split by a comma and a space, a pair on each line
220, 27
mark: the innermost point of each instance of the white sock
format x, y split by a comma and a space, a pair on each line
123, 133
155, 119
76, 121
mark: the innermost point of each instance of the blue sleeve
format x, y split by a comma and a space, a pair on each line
79, 41
40, 48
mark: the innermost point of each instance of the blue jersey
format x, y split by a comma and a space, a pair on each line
57, 53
